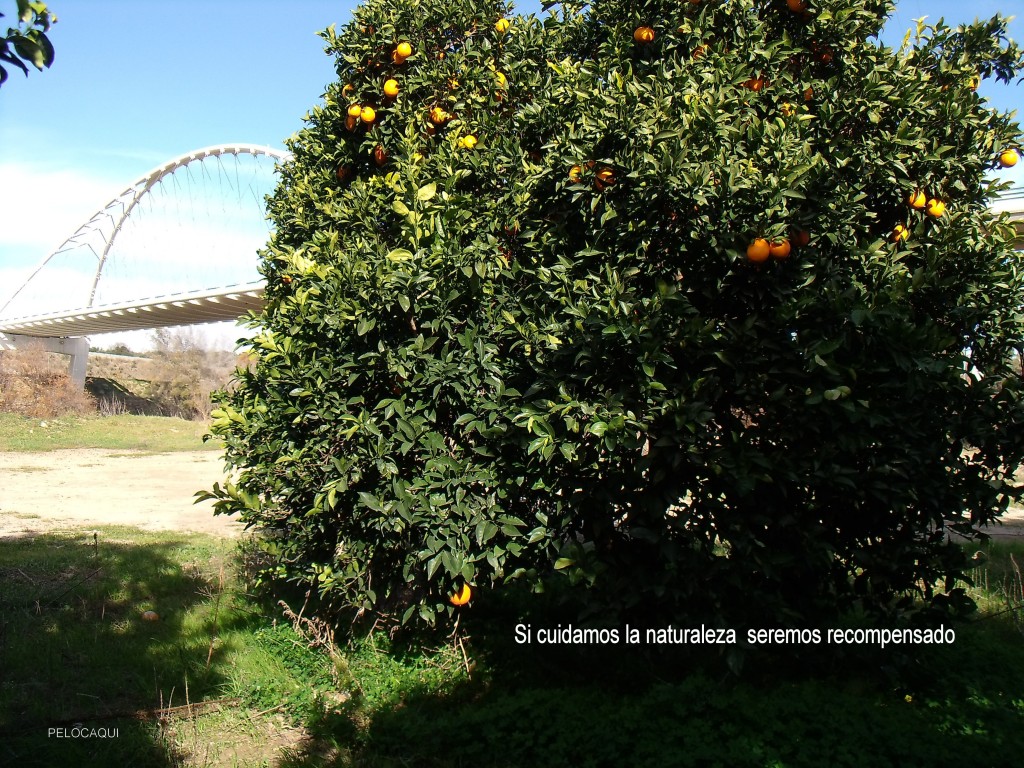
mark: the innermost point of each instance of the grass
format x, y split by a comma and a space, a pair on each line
153, 434
74, 648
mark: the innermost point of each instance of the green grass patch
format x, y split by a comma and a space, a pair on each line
153, 434
75, 648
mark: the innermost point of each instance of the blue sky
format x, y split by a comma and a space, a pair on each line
136, 82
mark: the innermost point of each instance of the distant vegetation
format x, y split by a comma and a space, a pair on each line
174, 378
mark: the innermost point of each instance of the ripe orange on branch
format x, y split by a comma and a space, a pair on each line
779, 249
463, 596
643, 35
796, 6
605, 177
1008, 158
759, 250
917, 199
391, 88
900, 233
936, 208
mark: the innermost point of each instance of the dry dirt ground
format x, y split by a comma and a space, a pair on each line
81, 487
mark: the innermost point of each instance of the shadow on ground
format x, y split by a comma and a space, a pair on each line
621, 706
77, 653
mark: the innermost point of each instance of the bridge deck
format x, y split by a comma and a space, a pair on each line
206, 306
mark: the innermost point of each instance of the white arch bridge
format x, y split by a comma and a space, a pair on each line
196, 220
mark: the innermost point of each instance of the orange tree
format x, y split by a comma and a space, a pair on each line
697, 306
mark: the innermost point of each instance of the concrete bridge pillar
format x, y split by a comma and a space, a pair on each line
76, 347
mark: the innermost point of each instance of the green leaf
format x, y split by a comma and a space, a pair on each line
563, 562
399, 254
426, 192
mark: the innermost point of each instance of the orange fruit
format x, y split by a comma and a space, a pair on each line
1008, 158
463, 596
391, 88
344, 172
403, 50
796, 6
643, 34
368, 115
900, 234
800, 238
605, 177
699, 52
779, 249
935, 208
468, 141
575, 174
501, 26
758, 251
380, 155
808, 93
287, 280
787, 109
917, 199
502, 80
756, 84
348, 90
351, 122
355, 110
974, 82
438, 116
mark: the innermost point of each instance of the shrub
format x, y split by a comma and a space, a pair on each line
36, 383
565, 351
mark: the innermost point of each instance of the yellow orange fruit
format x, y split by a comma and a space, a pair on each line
403, 50
355, 110
643, 34
368, 115
438, 116
787, 109
575, 174
900, 233
501, 26
502, 80
1008, 158
756, 84
779, 249
391, 88
468, 141
917, 199
351, 122
463, 596
935, 208
759, 250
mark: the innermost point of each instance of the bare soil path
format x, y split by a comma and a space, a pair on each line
73, 488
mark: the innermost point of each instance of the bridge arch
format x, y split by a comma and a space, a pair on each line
116, 212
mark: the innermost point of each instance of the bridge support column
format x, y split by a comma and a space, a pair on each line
77, 347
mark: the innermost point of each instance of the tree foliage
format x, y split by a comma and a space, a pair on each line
557, 354
28, 41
